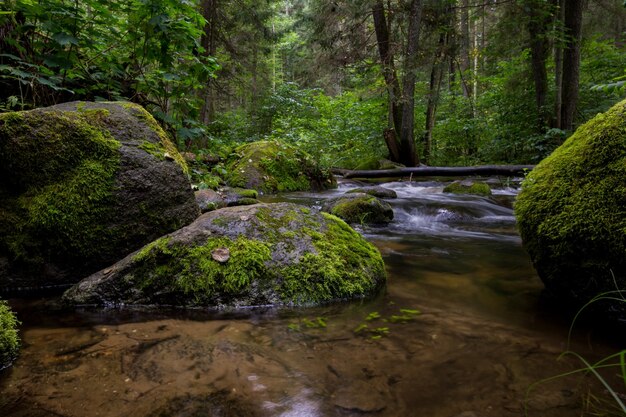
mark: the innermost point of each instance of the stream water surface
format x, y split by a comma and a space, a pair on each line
460, 331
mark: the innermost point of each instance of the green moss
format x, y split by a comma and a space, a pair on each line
166, 143
571, 210
345, 266
60, 170
474, 187
9, 339
272, 166
153, 149
192, 270
246, 193
363, 210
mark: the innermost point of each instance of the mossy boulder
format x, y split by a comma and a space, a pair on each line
9, 339
376, 191
571, 211
83, 185
359, 208
264, 254
468, 187
271, 166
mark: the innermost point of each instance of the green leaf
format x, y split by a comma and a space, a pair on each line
65, 39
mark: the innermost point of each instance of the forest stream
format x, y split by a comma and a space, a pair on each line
461, 330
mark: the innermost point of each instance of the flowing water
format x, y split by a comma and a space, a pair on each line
460, 331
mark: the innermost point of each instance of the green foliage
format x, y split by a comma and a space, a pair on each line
147, 51
9, 338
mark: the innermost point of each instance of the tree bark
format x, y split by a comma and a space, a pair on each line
571, 61
408, 155
402, 106
436, 75
465, 45
209, 43
539, 19
391, 78
509, 170
558, 67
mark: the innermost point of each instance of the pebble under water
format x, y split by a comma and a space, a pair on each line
461, 330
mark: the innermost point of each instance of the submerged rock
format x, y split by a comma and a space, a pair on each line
83, 185
571, 212
359, 208
278, 254
271, 166
468, 187
376, 191
9, 339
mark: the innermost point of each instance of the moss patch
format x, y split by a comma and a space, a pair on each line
9, 339
192, 269
342, 267
60, 170
468, 187
571, 210
360, 209
167, 148
275, 167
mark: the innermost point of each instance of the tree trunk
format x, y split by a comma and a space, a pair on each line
436, 75
558, 67
408, 155
465, 45
508, 170
540, 17
209, 43
389, 72
571, 61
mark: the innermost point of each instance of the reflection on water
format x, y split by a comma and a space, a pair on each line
459, 332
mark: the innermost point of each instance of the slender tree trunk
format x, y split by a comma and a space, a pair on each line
571, 61
407, 142
538, 25
558, 66
465, 62
436, 74
209, 43
389, 72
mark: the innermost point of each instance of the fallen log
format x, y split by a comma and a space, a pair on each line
508, 170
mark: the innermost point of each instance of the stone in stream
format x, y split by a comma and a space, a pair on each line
571, 214
83, 185
468, 187
271, 166
376, 191
264, 254
359, 208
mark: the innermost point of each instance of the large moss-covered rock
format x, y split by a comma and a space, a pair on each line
271, 166
9, 339
83, 185
264, 254
571, 211
359, 208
